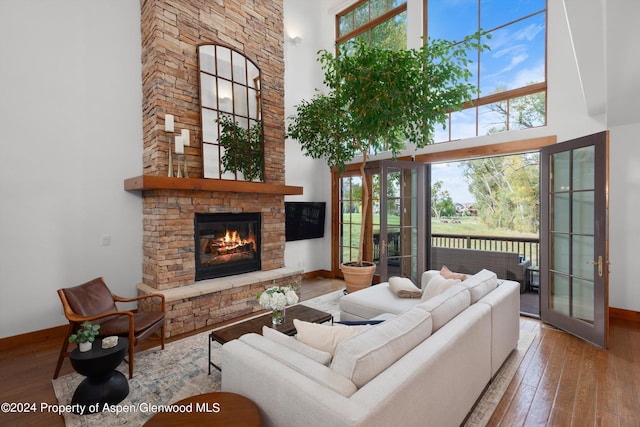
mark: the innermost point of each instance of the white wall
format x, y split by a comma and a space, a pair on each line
71, 120
302, 76
624, 225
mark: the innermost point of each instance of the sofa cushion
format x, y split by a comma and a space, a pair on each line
367, 354
325, 337
294, 360
480, 284
404, 287
293, 344
447, 305
437, 285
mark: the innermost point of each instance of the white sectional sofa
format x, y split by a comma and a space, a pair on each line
425, 366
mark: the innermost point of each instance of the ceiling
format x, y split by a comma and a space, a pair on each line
605, 38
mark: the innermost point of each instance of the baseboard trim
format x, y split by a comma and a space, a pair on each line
318, 273
623, 314
44, 336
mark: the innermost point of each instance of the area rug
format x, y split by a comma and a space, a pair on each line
180, 371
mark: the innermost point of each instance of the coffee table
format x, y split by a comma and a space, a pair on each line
255, 324
210, 409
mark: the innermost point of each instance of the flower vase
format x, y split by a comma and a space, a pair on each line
277, 317
84, 346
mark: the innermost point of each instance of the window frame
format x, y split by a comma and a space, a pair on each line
371, 23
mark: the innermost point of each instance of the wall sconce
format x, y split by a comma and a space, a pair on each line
295, 40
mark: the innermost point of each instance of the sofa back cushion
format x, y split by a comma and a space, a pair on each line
364, 356
325, 337
480, 284
447, 305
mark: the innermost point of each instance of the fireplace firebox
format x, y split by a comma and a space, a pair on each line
226, 244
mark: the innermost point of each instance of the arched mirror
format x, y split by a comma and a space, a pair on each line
230, 114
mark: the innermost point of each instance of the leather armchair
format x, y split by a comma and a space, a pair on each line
94, 302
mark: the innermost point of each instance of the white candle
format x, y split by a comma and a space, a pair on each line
168, 123
185, 137
179, 145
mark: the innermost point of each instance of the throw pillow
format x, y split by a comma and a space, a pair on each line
293, 344
325, 337
448, 274
404, 287
438, 285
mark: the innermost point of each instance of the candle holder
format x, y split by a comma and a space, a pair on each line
170, 172
185, 172
179, 174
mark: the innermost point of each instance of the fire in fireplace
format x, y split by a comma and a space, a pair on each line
226, 244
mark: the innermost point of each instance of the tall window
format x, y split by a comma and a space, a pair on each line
511, 76
380, 22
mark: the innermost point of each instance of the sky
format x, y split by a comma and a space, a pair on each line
452, 177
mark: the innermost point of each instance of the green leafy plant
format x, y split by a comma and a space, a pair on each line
86, 333
380, 99
243, 151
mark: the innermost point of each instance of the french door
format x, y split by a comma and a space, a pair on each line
394, 226
400, 242
574, 266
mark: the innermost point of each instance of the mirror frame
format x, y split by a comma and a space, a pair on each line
230, 114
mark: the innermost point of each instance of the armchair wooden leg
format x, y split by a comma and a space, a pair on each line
63, 351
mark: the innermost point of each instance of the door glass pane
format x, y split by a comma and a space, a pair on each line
560, 169
583, 257
583, 211
350, 217
560, 261
560, 209
582, 300
559, 293
583, 168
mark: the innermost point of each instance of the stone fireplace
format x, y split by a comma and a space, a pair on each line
171, 32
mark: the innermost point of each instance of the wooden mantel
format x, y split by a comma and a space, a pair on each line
153, 182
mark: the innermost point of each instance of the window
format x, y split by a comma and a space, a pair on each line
511, 76
379, 22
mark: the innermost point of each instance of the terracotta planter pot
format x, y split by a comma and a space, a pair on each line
358, 277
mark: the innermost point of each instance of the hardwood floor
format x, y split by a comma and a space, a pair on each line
562, 381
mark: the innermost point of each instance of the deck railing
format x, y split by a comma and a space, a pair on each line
529, 248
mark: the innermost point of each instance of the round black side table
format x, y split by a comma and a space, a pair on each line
103, 383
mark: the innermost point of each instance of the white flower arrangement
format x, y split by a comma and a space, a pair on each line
277, 297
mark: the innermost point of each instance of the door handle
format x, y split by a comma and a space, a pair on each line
599, 264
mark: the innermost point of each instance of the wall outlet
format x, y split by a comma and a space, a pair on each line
105, 240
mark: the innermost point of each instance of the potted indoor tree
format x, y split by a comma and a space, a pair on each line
378, 100
85, 336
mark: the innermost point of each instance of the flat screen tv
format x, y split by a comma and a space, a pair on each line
304, 220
